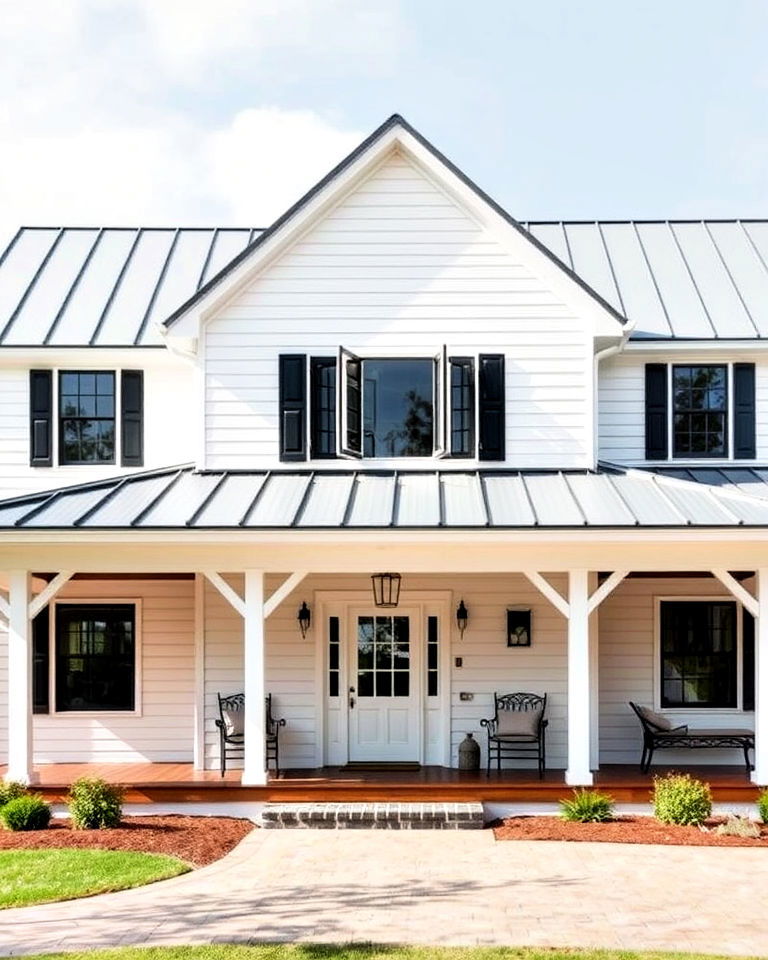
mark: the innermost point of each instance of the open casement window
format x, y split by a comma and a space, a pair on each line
391, 407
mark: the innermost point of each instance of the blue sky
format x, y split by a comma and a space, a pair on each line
186, 111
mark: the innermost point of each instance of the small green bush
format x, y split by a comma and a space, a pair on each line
29, 812
10, 791
95, 804
679, 799
736, 826
762, 805
587, 806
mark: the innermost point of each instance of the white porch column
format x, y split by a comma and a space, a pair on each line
254, 763
580, 691
760, 773
19, 679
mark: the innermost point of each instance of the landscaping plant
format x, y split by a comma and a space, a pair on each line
736, 826
29, 812
10, 791
95, 804
587, 806
680, 799
762, 805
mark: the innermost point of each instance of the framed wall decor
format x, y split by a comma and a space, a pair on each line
518, 628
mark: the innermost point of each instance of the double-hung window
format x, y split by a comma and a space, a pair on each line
700, 410
87, 416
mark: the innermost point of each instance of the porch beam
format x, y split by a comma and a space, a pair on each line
49, 592
19, 679
230, 595
277, 597
605, 589
760, 773
254, 720
743, 595
544, 586
580, 691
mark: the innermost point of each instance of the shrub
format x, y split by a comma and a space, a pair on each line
762, 805
95, 804
736, 826
10, 791
679, 799
29, 812
587, 806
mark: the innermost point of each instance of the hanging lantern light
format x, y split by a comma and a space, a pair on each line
386, 589
304, 618
462, 618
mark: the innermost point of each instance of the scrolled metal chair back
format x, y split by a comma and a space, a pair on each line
520, 702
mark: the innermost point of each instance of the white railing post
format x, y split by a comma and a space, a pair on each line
254, 763
760, 773
580, 691
19, 679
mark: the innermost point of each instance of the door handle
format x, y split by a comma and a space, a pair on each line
351, 699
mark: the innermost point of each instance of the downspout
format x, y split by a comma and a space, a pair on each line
603, 354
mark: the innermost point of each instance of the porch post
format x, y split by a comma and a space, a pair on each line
580, 691
19, 679
254, 762
760, 773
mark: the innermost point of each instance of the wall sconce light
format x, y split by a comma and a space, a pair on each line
305, 618
386, 589
462, 618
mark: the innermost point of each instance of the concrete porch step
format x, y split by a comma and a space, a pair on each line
373, 816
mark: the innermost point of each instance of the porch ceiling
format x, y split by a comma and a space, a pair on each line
609, 498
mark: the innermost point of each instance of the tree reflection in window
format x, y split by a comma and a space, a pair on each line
398, 409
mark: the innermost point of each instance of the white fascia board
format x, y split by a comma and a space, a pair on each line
604, 323
26, 357
696, 346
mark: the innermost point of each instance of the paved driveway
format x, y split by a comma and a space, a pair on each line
428, 887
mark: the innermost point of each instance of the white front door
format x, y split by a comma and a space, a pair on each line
384, 713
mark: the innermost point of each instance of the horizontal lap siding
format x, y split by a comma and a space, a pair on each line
621, 404
626, 672
164, 731
170, 415
398, 265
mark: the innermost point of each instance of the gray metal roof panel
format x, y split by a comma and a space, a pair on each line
553, 503
462, 497
644, 501
372, 503
598, 500
230, 501
508, 501
695, 503
127, 500
176, 509
327, 501
417, 502
66, 508
279, 500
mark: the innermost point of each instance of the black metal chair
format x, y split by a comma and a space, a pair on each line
232, 738
517, 729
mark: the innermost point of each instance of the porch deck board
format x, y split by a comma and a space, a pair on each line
181, 783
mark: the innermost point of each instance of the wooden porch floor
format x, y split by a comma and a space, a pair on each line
181, 783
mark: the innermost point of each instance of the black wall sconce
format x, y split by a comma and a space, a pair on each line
304, 618
518, 628
462, 618
386, 589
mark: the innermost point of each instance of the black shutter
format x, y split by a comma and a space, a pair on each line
354, 400
461, 415
656, 406
744, 446
40, 662
322, 407
748, 660
491, 403
132, 418
40, 418
293, 406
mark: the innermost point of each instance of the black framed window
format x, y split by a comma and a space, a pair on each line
700, 410
334, 658
323, 403
40, 662
433, 657
86, 416
462, 406
95, 656
699, 653
398, 408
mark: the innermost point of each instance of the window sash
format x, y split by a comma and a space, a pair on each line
689, 658
78, 420
710, 413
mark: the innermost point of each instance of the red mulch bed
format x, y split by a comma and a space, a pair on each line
622, 830
196, 840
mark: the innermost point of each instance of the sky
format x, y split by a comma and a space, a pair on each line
197, 112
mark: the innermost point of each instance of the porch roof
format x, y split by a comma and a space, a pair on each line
183, 498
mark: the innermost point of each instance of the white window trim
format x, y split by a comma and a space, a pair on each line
88, 368
138, 655
683, 712
692, 461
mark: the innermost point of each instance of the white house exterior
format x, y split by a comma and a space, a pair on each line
201, 430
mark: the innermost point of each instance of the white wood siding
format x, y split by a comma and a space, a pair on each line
397, 266
626, 660
621, 403
170, 424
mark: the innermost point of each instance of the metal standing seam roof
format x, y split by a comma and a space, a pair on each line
83, 286
181, 498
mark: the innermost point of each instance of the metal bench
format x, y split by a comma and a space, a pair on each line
657, 738
231, 737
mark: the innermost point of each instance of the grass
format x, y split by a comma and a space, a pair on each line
42, 876
309, 951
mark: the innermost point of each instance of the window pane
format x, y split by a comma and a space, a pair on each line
87, 417
700, 411
698, 654
398, 408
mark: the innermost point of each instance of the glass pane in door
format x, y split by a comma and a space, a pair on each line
383, 657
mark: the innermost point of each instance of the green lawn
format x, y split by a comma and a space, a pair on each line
40, 876
362, 952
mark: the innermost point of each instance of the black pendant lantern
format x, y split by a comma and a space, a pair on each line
462, 618
386, 589
304, 617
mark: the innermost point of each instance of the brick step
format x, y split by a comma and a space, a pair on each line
373, 816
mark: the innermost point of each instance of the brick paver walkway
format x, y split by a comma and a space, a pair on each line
428, 887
